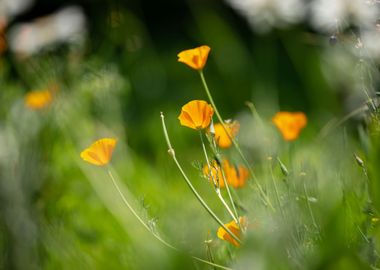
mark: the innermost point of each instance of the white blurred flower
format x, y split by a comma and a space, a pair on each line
266, 14
66, 25
371, 43
10, 8
328, 15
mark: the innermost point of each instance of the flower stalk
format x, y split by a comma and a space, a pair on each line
217, 190
262, 193
125, 201
187, 180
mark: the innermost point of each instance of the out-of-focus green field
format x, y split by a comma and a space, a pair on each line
59, 212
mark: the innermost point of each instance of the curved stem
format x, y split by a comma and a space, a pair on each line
276, 191
219, 158
236, 145
309, 207
237, 220
134, 212
150, 230
217, 189
200, 199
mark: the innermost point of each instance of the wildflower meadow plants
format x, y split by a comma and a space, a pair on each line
128, 148
294, 202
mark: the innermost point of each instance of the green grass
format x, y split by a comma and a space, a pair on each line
58, 212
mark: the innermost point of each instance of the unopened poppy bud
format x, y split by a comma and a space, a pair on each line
359, 161
284, 170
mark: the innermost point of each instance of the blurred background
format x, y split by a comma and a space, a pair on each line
112, 68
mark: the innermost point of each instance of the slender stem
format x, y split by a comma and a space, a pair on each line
217, 189
276, 191
209, 252
150, 230
254, 112
218, 157
206, 156
135, 213
331, 125
309, 207
237, 220
200, 199
362, 74
265, 197
211, 263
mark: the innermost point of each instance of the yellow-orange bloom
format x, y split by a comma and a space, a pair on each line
195, 58
37, 100
196, 114
222, 138
100, 152
235, 176
234, 228
290, 124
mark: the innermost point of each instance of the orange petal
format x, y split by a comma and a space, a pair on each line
222, 138
242, 176
216, 176
236, 177
290, 124
195, 58
196, 114
224, 235
100, 152
38, 99
185, 120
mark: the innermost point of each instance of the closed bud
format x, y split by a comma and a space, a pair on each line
284, 170
359, 161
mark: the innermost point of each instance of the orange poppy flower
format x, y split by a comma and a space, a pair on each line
195, 58
215, 176
100, 152
235, 176
39, 99
222, 138
196, 114
234, 228
290, 124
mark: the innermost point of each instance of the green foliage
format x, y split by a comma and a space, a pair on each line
57, 212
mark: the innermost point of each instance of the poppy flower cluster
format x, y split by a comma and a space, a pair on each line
197, 115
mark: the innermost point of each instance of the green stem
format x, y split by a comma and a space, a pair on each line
254, 112
309, 207
230, 197
150, 230
209, 252
217, 189
200, 199
276, 192
135, 213
219, 158
265, 197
